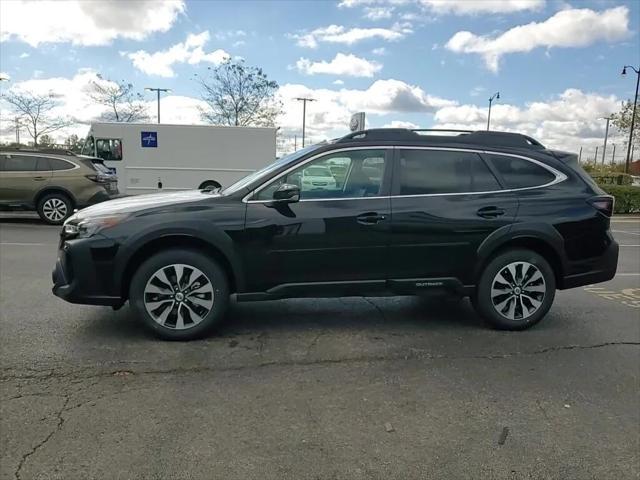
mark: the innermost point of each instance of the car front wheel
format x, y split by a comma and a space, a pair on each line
515, 290
179, 294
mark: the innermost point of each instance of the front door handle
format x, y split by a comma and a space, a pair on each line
39, 179
370, 218
490, 212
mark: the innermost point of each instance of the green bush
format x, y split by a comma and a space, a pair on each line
604, 179
627, 198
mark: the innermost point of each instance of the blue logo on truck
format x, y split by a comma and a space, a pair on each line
149, 139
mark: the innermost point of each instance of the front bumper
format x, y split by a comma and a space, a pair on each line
83, 272
594, 270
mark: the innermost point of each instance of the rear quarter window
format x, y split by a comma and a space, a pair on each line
520, 173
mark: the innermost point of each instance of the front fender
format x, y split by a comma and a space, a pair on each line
204, 232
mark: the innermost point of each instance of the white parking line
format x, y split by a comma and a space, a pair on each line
624, 231
28, 244
634, 274
629, 245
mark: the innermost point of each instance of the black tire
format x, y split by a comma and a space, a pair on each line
527, 302
179, 312
55, 208
209, 184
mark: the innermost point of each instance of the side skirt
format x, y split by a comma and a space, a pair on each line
446, 286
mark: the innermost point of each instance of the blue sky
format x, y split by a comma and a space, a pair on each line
399, 61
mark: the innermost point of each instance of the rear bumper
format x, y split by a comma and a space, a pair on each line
597, 270
74, 282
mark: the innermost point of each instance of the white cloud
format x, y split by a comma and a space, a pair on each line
567, 28
453, 7
338, 82
329, 115
342, 64
5, 75
474, 7
400, 124
475, 91
24, 55
190, 51
340, 34
378, 13
75, 104
568, 121
379, 51
81, 22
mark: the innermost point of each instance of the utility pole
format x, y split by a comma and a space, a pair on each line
606, 135
580, 155
595, 157
158, 90
633, 114
613, 155
304, 101
495, 96
295, 143
17, 120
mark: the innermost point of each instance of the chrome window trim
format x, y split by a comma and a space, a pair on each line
245, 199
560, 177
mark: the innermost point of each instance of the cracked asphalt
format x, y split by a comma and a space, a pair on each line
354, 388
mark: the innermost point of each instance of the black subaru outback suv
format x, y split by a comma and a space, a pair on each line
493, 216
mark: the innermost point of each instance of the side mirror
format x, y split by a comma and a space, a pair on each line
287, 192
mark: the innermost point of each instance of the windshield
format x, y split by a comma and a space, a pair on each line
252, 177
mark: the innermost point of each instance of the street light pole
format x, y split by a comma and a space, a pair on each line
158, 90
633, 114
606, 135
495, 96
304, 101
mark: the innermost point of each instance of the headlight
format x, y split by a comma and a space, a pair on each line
92, 225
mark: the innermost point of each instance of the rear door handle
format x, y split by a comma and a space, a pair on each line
39, 179
490, 212
370, 218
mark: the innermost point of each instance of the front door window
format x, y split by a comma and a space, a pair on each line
352, 174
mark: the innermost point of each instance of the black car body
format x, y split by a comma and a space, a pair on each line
413, 214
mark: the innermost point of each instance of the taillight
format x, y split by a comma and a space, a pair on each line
603, 203
99, 178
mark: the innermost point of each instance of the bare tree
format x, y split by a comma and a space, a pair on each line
123, 104
35, 112
239, 95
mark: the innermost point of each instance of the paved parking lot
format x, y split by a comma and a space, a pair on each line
358, 388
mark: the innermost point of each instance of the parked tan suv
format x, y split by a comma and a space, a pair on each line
52, 182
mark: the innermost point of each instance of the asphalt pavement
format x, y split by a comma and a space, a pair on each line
353, 388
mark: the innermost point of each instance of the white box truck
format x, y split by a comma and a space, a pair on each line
149, 157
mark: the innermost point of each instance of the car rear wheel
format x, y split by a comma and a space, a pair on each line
516, 290
179, 294
55, 208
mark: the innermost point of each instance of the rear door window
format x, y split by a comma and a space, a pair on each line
42, 165
57, 164
520, 173
429, 172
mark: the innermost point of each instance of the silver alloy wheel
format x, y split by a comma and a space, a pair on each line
518, 290
54, 209
178, 296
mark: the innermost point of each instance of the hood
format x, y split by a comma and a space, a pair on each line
138, 203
